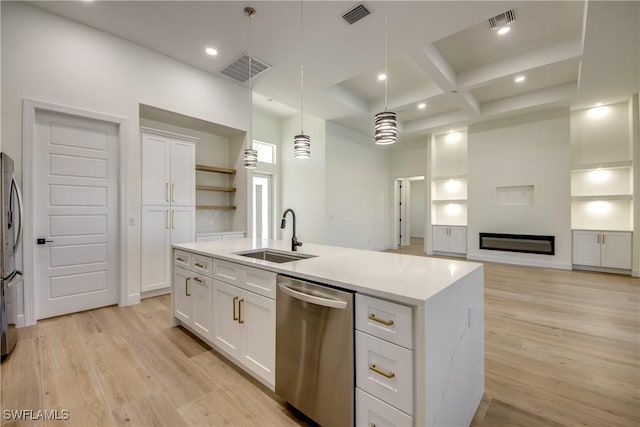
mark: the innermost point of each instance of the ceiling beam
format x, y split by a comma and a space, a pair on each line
529, 100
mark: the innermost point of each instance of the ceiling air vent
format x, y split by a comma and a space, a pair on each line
239, 68
502, 20
355, 14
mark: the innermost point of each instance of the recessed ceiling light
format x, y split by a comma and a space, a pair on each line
422, 106
504, 30
211, 51
520, 79
382, 77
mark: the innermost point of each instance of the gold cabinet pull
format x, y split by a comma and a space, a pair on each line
173, 192
381, 372
373, 317
180, 259
167, 185
200, 265
168, 219
186, 286
173, 218
235, 316
197, 279
240, 311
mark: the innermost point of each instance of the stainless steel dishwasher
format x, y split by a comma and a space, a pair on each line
315, 350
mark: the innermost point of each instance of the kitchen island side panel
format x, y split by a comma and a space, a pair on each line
454, 352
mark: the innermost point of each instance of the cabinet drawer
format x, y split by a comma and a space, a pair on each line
202, 265
228, 272
260, 281
385, 370
374, 412
384, 319
182, 259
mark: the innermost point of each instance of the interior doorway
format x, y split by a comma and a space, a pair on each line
262, 206
409, 213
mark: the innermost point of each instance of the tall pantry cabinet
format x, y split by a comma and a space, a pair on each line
168, 204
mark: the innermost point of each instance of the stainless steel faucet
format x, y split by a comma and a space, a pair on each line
294, 240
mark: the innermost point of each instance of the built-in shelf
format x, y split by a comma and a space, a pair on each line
215, 188
441, 201
602, 197
219, 208
206, 168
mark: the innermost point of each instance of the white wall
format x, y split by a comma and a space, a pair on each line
52, 59
357, 186
418, 207
409, 158
303, 180
528, 150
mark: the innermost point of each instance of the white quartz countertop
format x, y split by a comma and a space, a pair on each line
403, 278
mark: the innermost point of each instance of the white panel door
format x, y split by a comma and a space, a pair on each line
226, 329
76, 210
183, 224
183, 173
257, 318
616, 249
201, 291
182, 285
155, 247
155, 165
586, 248
458, 240
440, 238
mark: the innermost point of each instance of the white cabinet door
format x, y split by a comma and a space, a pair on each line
616, 249
155, 247
201, 291
440, 238
183, 224
257, 317
155, 170
182, 295
374, 412
458, 240
183, 173
226, 329
586, 248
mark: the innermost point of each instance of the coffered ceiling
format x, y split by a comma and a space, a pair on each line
441, 53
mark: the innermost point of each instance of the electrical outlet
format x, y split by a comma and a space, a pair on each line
132, 220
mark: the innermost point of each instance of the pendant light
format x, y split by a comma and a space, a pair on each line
250, 154
386, 122
302, 142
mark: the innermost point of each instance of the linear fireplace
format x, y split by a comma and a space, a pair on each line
531, 244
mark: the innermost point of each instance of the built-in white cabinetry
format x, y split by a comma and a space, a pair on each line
224, 235
449, 239
230, 306
168, 205
192, 294
607, 249
448, 193
384, 363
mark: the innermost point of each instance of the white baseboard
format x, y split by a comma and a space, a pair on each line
133, 299
155, 293
602, 269
519, 261
635, 273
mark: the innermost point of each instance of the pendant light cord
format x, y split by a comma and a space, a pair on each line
386, 41
301, 67
249, 139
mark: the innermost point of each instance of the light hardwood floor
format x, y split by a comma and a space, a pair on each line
562, 349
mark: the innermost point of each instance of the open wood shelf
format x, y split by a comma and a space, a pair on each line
215, 188
220, 208
215, 169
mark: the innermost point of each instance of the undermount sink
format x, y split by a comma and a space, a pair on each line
274, 256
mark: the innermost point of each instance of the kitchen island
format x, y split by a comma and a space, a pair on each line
443, 301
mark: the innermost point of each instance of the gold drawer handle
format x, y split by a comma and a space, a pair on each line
381, 372
384, 322
240, 319
181, 259
200, 265
235, 316
197, 280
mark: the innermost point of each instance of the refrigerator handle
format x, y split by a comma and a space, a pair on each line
14, 184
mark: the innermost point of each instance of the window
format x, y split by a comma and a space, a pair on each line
266, 152
262, 206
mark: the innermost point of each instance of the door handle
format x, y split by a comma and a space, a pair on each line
240, 311
14, 185
168, 220
186, 287
173, 192
381, 372
325, 302
373, 317
167, 187
173, 219
235, 316
43, 240
603, 239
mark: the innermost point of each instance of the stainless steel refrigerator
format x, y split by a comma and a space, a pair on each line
10, 236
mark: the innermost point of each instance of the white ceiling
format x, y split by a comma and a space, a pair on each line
443, 53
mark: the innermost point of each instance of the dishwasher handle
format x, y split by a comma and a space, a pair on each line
325, 302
